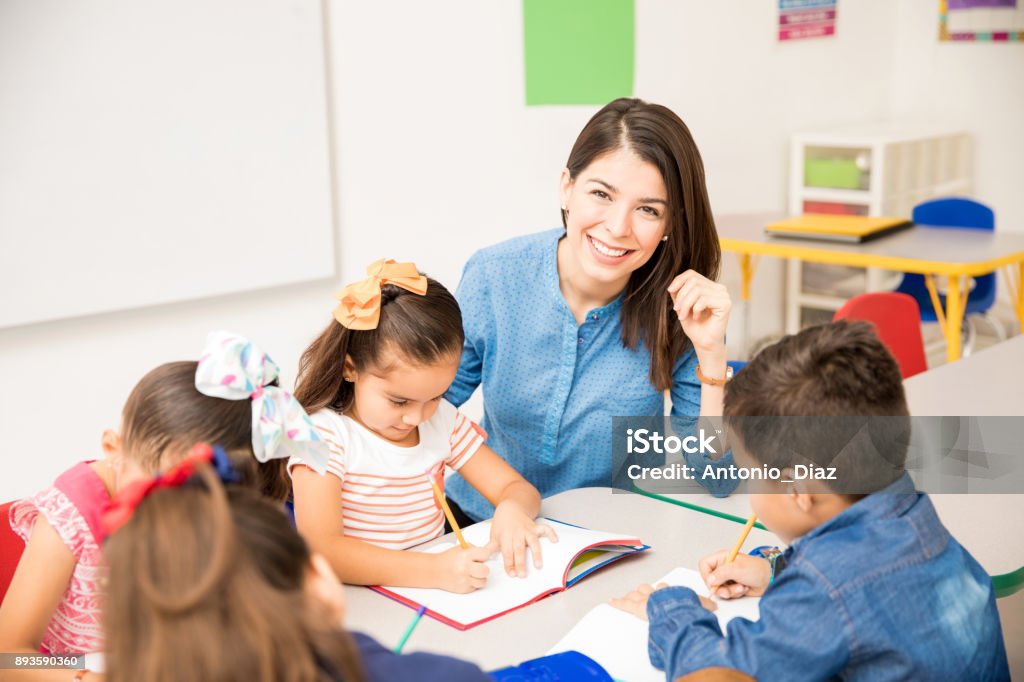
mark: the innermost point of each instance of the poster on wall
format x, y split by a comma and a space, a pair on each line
981, 20
578, 51
801, 19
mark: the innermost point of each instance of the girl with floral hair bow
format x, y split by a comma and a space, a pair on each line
373, 382
229, 397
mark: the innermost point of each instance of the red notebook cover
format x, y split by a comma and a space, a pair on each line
578, 553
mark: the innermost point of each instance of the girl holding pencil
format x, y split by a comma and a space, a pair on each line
373, 382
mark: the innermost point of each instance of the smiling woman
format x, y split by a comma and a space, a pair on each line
569, 327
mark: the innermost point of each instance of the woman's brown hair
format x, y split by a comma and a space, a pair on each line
206, 583
422, 329
658, 136
165, 415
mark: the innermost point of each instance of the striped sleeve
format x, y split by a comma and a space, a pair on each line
329, 429
465, 439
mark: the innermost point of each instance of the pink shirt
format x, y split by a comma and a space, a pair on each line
73, 507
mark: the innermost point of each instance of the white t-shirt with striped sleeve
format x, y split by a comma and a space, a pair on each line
386, 495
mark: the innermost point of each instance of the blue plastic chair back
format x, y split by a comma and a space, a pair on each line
955, 212
952, 212
736, 365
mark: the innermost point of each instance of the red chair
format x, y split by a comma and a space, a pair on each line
11, 548
897, 320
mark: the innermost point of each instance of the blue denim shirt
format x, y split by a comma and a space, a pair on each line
880, 592
551, 386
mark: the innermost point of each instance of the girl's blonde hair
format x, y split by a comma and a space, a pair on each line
206, 583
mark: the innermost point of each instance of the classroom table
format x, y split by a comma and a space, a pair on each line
978, 522
955, 254
988, 383
678, 537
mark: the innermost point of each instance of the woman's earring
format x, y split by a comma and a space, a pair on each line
665, 238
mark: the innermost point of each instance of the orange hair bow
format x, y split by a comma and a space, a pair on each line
360, 301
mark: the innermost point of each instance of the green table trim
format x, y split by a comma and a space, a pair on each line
1004, 584
695, 507
1008, 583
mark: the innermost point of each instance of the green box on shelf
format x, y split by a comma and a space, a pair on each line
831, 172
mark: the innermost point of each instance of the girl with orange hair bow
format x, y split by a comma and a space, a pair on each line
373, 383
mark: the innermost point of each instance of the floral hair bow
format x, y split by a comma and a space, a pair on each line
360, 301
121, 508
233, 368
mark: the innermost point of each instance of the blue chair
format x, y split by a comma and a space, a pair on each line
736, 365
962, 213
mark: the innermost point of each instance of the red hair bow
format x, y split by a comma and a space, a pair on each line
124, 503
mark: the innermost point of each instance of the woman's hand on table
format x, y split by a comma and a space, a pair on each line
513, 531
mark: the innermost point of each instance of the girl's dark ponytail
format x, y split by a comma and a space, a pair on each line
422, 329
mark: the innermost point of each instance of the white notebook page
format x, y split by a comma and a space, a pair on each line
503, 592
618, 640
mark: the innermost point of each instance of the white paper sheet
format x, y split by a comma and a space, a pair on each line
618, 640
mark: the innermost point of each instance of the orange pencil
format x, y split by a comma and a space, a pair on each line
447, 511
743, 538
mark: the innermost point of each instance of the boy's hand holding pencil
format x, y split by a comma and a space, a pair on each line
746, 576
730, 574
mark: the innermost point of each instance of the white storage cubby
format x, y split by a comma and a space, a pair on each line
876, 170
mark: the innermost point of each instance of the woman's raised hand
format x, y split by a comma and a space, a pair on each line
703, 308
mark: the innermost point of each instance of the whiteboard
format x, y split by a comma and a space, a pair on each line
157, 151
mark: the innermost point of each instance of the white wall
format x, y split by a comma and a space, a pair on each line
976, 87
201, 140
436, 155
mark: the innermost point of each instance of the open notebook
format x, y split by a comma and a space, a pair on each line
577, 553
618, 640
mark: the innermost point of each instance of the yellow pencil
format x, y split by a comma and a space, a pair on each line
447, 511
743, 538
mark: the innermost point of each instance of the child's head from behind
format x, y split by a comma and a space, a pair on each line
390, 377
165, 415
213, 582
826, 402
230, 397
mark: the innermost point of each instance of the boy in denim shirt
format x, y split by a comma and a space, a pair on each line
872, 586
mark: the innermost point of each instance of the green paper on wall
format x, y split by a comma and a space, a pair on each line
578, 51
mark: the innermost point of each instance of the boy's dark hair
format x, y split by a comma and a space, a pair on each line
831, 396
165, 415
421, 329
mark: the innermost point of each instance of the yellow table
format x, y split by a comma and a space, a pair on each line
956, 254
